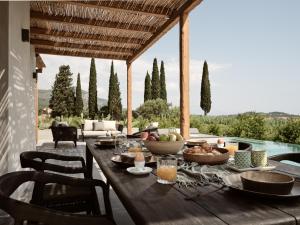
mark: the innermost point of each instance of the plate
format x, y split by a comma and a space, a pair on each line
234, 182
261, 168
117, 160
107, 142
135, 171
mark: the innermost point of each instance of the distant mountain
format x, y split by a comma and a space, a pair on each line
44, 97
280, 114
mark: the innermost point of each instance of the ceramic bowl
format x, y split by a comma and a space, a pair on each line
267, 182
164, 147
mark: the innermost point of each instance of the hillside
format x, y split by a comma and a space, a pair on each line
44, 97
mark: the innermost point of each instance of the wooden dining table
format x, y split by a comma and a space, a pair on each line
149, 202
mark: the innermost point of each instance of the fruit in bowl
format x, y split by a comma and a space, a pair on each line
170, 143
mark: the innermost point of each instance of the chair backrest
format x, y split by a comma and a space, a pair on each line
22, 211
64, 133
37, 160
245, 146
294, 157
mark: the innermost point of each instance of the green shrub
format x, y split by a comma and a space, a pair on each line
290, 132
153, 108
249, 125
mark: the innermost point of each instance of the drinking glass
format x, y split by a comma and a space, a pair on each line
166, 170
120, 144
135, 146
231, 147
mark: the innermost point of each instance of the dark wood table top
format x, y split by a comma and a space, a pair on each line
149, 202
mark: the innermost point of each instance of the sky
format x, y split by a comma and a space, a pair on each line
252, 49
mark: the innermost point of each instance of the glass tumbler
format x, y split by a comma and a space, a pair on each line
166, 170
232, 147
120, 144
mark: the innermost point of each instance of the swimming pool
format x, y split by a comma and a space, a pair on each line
273, 148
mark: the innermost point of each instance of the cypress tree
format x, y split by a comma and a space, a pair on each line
78, 101
111, 87
116, 103
147, 90
163, 89
92, 104
155, 84
96, 103
205, 90
62, 96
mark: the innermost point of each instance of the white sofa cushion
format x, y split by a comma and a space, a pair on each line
88, 124
94, 132
99, 132
109, 125
98, 126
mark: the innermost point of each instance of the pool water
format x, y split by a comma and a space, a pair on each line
273, 148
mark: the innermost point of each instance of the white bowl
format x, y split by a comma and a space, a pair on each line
164, 147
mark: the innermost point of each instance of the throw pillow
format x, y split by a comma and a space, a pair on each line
109, 125
88, 124
98, 126
54, 123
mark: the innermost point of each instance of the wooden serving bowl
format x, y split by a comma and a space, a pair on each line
267, 182
207, 159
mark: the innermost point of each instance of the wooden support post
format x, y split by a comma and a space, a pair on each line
129, 98
36, 103
184, 75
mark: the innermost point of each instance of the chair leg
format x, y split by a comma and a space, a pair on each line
75, 143
107, 204
55, 145
95, 204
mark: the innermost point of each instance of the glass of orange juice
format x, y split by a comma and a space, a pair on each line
231, 147
166, 170
135, 146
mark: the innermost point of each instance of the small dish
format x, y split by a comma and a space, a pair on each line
135, 171
232, 166
117, 160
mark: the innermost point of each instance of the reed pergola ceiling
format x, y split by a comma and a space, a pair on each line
115, 29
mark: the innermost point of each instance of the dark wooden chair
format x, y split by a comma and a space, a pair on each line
26, 213
294, 157
56, 196
245, 146
64, 133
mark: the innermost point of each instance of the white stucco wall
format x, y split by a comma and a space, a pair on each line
4, 130
20, 132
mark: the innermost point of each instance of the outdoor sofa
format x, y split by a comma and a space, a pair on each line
95, 128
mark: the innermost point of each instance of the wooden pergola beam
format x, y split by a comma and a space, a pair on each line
129, 98
91, 22
186, 8
125, 6
80, 46
85, 36
79, 54
184, 75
